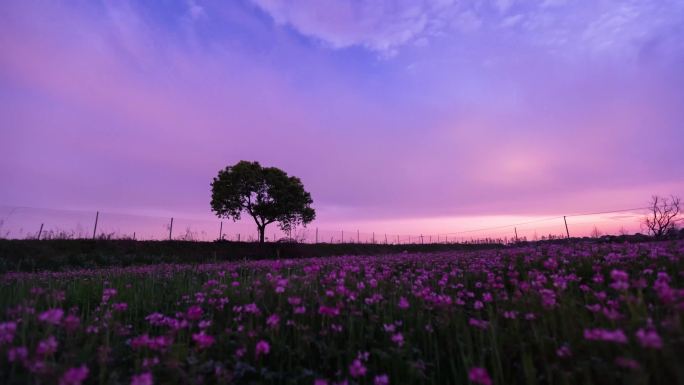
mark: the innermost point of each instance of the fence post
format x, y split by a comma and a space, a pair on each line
171, 229
421, 239
97, 216
238, 237
566, 227
40, 231
316, 234
221, 231
358, 240
134, 235
385, 238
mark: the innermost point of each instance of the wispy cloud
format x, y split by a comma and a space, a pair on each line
384, 27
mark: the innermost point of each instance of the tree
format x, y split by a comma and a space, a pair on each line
268, 194
663, 215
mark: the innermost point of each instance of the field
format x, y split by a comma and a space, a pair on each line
581, 313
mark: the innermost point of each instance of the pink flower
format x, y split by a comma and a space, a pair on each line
294, 301
52, 316
356, 369
382, 379
202, 340
122, 306
74, 376
479, 376
142, 379
649, 339
262, 348
403, 303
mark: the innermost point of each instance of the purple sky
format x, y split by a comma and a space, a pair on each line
403, 113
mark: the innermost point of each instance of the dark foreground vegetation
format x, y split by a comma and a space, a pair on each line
64, 254
61, 254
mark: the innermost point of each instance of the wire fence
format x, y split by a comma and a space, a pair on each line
42, 223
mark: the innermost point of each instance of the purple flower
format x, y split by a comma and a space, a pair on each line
382, 379
74, 376
202, 340
479, 376
564, 351
617, 336
273, 320
649, 339
142, 379
403, 303
548, 298
627, 363
194, 313
52, 316
328, 311
7, 330
71, 322
480, 324
356, 369
107, 294
398, 339
262, 348
620, 280
18, 354
300, 310
47, 346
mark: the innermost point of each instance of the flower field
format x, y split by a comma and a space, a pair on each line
585, 313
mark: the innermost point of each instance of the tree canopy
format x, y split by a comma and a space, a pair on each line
267, 194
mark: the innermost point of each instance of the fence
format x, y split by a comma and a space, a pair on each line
42, 223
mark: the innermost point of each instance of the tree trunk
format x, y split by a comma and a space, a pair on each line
262, 231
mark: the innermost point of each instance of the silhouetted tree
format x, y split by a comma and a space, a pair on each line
268, 194
663, 216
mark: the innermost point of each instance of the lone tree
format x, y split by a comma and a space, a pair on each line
268, 194
663, 215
